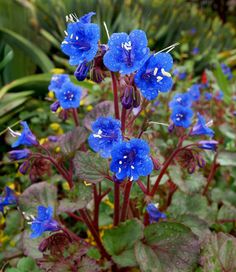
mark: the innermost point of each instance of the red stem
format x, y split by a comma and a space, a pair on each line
211, 175
87, 220
116, 203
75, 117
96, 207
115, 93
142, 186
123, 119
126, 200
163, 170
76, 217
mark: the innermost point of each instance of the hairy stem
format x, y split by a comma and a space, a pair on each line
75, 117
126, 200
115, 93
116, 203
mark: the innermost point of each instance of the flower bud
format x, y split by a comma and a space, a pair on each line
82, 71
54, 107
24, 167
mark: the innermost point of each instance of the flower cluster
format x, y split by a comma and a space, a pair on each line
68, 94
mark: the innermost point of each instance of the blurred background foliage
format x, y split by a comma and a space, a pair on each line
31, 32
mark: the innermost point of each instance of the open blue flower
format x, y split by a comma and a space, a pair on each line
182, 116
219, 95
208, 145
201, 128
131, 160
126, 53
208, 96
69, 95
19, 154
194, 92
106, 134
154, 214
181, 99
153, 76
43, 222
9, 199
57, 81
81, 41
26, 137
227, 71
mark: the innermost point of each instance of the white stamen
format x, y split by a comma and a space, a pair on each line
27, 217
155, 71
32, 216
179, 99
14, 133
165, 73
125, 157
66, 32
131, 179
127, 45
210, 123
159, 78
29, 223
119, 170
132, 166
98, 135
76, 38
157, 205
64, 42
120, 162
71, 36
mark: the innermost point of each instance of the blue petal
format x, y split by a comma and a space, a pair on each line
37, 230
44, 213
164, 60
87, 17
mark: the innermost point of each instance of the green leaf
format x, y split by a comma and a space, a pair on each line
105, 108
227, 158
167, 246
192, 204
34, 82
71, 141
191, 184
119, 242
226, 211
78, 198
7, 58
27, 264
37, 194
30, 246
13, 221
90, 166
31, 50
219, 253
197, 225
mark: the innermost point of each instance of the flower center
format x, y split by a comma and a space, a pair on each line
68, 95
179, 116
159, 76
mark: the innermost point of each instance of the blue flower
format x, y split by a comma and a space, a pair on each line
181, 116
131, 160
26, 137
208, 145
69, 95
181, 99
227, 71
57, 81
195, 51
82, 71
106, 134
201, 128
43, 222
194, 92
154, 213
9, 199
153, 77
219, 96
19, 154
179, 75
208, 96
126, 53
81, 41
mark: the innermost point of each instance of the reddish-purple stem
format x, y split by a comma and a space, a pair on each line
116, 217
115, 93
125, 205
